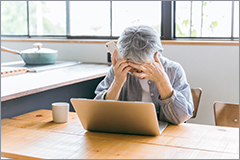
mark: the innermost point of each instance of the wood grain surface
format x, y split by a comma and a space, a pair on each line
8, 71
35, 135
167, 42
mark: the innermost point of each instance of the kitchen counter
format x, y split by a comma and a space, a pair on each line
26, 92
16, 86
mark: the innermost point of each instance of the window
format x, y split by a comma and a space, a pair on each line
130, 13
89, 18
47, 18
206, 19
14, 18
94, 19
107, 19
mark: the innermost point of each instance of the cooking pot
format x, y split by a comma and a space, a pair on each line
36, 55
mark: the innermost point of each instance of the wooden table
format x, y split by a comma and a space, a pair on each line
34, 135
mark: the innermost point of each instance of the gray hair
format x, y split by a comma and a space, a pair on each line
140, 43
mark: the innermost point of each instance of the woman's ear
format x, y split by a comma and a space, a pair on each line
156, 57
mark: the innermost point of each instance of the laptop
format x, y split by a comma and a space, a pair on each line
118, 116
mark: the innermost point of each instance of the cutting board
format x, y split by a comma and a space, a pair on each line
7, 71
19, 67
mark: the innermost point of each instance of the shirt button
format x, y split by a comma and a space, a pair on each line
149, 82
152, 94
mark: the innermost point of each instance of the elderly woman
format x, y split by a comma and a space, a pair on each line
145, 75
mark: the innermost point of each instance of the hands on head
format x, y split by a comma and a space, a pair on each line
153, 71
150, 70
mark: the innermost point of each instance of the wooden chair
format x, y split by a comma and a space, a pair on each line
196, 94
226, 114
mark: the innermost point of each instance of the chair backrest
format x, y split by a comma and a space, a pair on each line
196, 94
226, 114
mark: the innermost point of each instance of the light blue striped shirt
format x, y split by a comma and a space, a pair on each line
175, 109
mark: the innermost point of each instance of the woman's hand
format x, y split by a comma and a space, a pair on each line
154, 71
120, 69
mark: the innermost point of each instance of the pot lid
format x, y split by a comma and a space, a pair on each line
39, 49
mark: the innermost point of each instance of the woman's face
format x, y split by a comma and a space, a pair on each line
134, 69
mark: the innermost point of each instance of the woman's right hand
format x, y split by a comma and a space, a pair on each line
120, 68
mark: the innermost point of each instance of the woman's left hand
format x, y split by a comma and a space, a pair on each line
154, 71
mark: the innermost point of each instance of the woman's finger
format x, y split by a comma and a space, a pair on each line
126, 70
113, 58
123, 66
137, 66
140, 75
148, 66
120, 62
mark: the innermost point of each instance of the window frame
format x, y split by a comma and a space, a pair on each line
168, 14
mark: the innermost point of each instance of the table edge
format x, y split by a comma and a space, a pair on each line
41, 89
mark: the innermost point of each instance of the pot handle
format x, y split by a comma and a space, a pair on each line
10, 50
39, 45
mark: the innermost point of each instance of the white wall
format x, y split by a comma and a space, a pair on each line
85, 52
213, 68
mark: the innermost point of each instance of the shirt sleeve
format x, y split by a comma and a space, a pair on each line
179, 107
104, 85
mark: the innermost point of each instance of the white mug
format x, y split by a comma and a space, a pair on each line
60, 111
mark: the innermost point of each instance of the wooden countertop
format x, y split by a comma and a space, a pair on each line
164, 42
29, 83
34, 135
